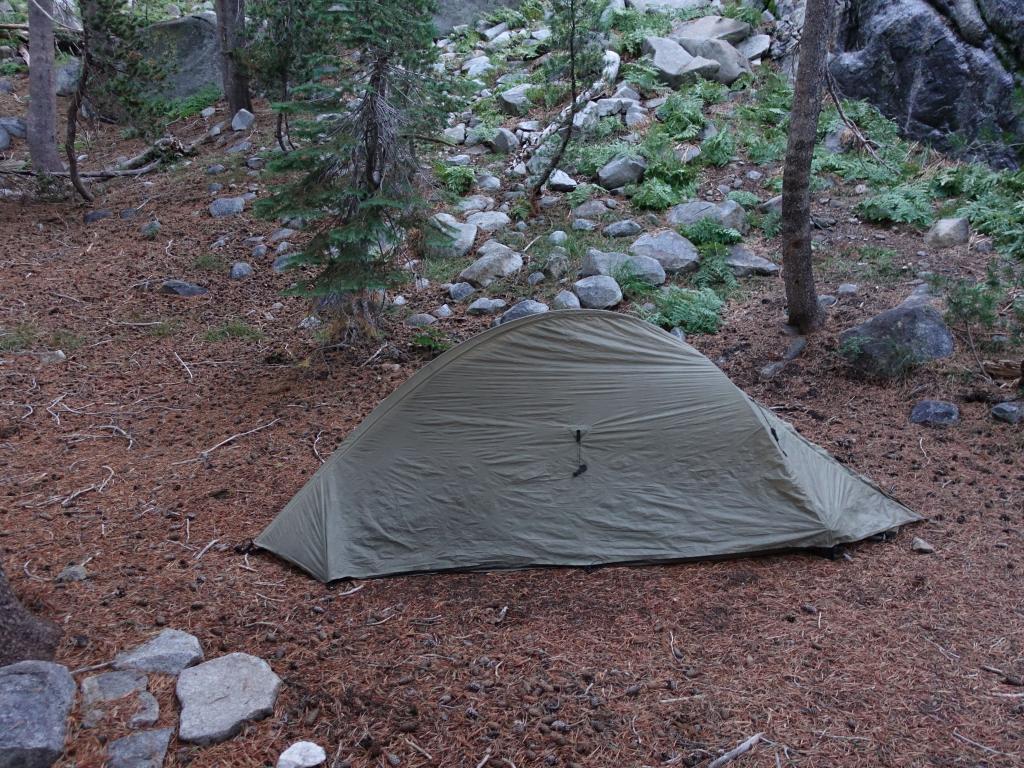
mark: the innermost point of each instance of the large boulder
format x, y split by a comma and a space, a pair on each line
674, 252
731, 63
218, 696
890, 344
495, 261
449, 238
711, 28
191, 49
621, 171
35, 699
598, 292
615, 264
728, 213
674, 65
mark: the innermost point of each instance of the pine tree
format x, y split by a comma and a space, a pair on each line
359, 184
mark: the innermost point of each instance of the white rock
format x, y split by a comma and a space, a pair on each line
302, 754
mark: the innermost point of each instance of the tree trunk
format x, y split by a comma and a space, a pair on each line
234, 71
42, 88
75, 107
22, 635
801, 295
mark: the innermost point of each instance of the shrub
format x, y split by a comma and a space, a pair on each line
719, 149
693, 311
456, 178
654, 195
905, 203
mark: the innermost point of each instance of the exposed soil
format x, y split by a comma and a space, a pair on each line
883, 658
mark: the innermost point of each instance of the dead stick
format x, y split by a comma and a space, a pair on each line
732, 754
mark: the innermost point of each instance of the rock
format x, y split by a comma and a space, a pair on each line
460, 291
240, 147
489, 221
281, 263
598, 292
678, 333
515, 101
496, 262
535, 278
558, 237
6, 86
731, 63
5, 140
240, 271
894, 341
712, 28
676, 67
72, 573
947, 233
477, 66
150, 230
191, 49
15, 126
621, 171
586, 119
459, 160
1008, 413
488, 183
921, 546
227, 206
474, 204
302, 754
442, 312
106, 687
168, 653
667, 6
67, 77
624, 228
504, 141
218, 696
935, 413
523, 308
485, 306
35, 701
147, 710
145, 749
456, 134
557, 263
674, 252
729, 213
560, 181
846, 290
591, 209
255, 163
420, 320
243, 120
755, 46
566, 300
456, 238
774, 205
600, 263
744, 263
93, 216
181, 288
583, 225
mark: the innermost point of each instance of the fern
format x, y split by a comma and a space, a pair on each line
713, 272
682, 116
632, 26
906, 204
694, 311
744, 198
456, 178
719, 149
653, 195
709, 232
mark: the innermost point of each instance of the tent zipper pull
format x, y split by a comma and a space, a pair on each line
579, 455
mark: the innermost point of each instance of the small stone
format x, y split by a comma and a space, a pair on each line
583, 225
150, 230
460, 291
72, 573
456, 134
240, 271
147, 711
598, 292
93, 216
208, 112
744, 263
302, 754
496, 261
621, 171
515, 101
420, 320
535, 278
486, 306
399, 301
558, 237
145, 749
566, 300
260, 251
181, 288
624, 228
243, 120
935, 413
442, 312
921, 546
489, 221
524, 308
218, 696
679, 333
227, 206
1008, 413
168, 653
255, 163
504, 141
239, 148
846, 290
560, 181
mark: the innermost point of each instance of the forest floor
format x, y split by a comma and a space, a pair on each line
117, 458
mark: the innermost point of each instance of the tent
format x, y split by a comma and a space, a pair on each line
570, 438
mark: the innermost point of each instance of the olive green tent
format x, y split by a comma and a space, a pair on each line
570, 438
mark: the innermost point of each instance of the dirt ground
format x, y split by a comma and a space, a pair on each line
883, 658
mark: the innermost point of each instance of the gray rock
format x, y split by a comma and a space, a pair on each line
600, 263
712, 28
676, 67
35, 701
678, 333
504, 141
442, 312
566, 300
489, 221
474, 204
591, 209
621, 171
921, 546
515, 101
420, 320
181, 288
6, 86
667, 6
583, 225
846, 290
168, 653
110, 686
477, 66
729, 213
218, 696
486, 306
560, 181
935, 413
459, 160
745, 263
455, 238
460, 291
755, 46
150, 230
774, 205
302, 754
523, 308
147, 710
535, 278
496, 262
15, 126
947, 233
585, 120
624, 228
598, 292
92, 217
488, 183
240, 147
145, 749
674, 252
227, 206
5, 140
557, 263
240, 271
191, 49
243, 120
72, 573
558, 237
731, 63
67, 77
894, 341
1009, 413
281, 263
456, 134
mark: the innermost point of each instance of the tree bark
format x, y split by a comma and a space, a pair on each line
797, 260
22, 635
42, 88
234, 71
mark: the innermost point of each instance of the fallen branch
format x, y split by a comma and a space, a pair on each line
732, 754
203, 455
98, 487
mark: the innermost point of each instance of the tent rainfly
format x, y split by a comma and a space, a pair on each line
570, 438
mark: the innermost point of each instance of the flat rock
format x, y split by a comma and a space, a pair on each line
523, 308
240, 271
896, 340
474, 204
566, 300
15, 126
674, 64
489, 221
624, 228
227, 206
145, 749
921, 546
104, 688
460, 291
420, 320
181, 288
486, 306
168, 653
302, 754
675, 253
496, 262
731, 63
621, 171
728, 213
455, 238
712, 28
598, 292
591, 209
755, 46
600, 263
560, 181
935, 413
1008, 413
35, 701
947, 233
218, 696
744, 263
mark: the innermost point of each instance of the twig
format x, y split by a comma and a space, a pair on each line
732, 754
98, 487
205, 454
350, 591
91, 667
315, 451
185, 366
373, 357
118, 430
419, 749
30, 574
204, 549
973, 743
484, 759
974, 353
